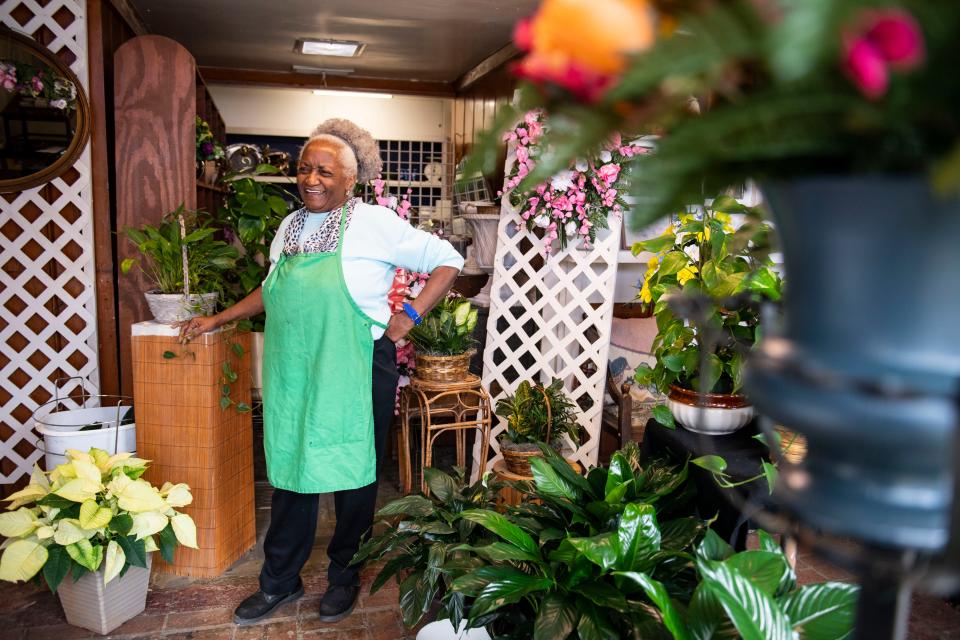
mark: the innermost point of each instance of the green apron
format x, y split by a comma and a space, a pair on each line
317, 377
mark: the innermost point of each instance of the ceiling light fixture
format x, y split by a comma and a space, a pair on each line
352, 94
321, 71
343, 48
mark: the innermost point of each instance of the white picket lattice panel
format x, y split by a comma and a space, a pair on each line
48, 327
551, 321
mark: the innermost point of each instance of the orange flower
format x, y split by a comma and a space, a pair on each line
583, 44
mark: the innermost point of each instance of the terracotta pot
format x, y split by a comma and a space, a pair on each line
709, 413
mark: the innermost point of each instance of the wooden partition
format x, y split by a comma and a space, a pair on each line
191, 438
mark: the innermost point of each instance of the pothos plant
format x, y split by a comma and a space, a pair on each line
92, 512
703, 257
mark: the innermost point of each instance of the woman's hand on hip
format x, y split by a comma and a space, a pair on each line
398, 327
190, 329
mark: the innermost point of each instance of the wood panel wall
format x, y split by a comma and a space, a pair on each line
107, 30
155, 105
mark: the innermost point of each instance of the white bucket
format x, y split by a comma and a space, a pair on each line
443, 630
61, 431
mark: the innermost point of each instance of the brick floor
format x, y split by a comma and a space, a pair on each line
183, 608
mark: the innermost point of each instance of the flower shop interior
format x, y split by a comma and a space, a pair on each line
626, 419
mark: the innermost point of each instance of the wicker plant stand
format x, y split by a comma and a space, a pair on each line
458, 406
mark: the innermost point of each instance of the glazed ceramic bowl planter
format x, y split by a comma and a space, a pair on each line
711, 414
99, 607
868, 361
173, 307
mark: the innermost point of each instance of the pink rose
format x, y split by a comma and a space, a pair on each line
609, 173
897, 36
866, 67
522, 154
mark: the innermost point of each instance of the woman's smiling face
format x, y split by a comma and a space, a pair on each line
323, 182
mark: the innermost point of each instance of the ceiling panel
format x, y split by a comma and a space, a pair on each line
430, 40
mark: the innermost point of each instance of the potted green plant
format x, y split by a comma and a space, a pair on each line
209, 152
251, 214
185, 263
535, 414
848, 113
444, 340
95, 520
699, 365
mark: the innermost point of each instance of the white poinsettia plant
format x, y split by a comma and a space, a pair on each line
92, 511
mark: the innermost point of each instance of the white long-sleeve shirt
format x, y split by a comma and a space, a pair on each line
376, 242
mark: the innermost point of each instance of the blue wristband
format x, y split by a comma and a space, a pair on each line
410, 311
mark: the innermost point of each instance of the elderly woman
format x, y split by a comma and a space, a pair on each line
329, 360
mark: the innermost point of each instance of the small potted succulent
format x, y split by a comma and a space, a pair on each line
185, 263
95, 519
535, 414
444, 341
702, 256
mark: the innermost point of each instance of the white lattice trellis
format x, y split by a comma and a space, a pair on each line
551, 321
47, 297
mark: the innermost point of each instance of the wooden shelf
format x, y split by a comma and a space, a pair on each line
211, 187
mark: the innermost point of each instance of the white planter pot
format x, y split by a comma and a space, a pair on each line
90, 604
256, 363
719, 414
443, 630
61, 430
173, 307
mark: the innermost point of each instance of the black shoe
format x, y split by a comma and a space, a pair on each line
261, 604
338, 602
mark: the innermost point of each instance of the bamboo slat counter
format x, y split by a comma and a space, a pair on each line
189, 438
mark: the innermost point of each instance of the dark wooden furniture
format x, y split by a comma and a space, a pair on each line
616, 422
158, 93
743, 454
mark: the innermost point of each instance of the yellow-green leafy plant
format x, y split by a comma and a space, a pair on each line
92, 512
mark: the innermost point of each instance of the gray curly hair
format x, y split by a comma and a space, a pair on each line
357, 142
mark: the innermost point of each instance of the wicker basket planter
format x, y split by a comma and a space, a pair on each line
443, 368
173, 307
518, 460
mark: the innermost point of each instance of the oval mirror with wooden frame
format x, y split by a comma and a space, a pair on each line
44, 114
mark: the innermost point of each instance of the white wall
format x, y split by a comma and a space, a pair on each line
295, 112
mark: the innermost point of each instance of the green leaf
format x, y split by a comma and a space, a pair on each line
225, 402
416, 594
713, 547
654, 245
672, 618
57, 502
556, 618
57, 566
762, 568
673, 262
601, 550
673, 362
412, 505
770, 472
638, 537
237, 349
823, 611
754, 614
167, 543
594, 625
508, 589
680, 533
169, 355
661, 413
441, 485
135, 550
550, 483
243, 407
502, 527
604, 595
712, 463
501, 552
127, 264
86, 554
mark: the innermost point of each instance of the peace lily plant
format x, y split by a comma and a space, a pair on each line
92, 512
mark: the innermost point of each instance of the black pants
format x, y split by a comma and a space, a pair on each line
293, 516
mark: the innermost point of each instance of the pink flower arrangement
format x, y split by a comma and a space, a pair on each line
37, 82
883, 40
574, 203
